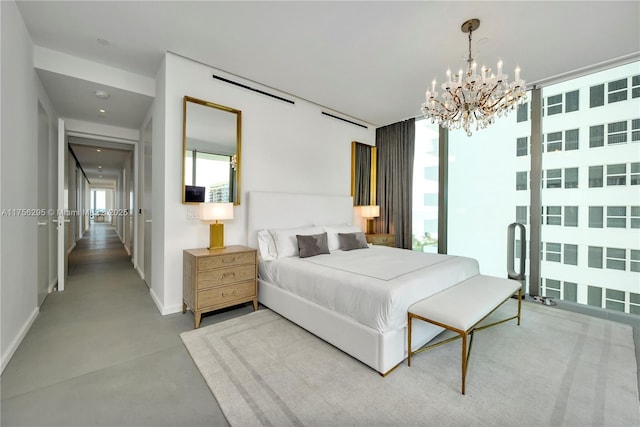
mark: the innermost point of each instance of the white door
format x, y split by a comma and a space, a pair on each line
146, 152
43, 205
62, 220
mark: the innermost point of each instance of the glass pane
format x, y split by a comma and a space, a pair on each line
425, 188
595, 176
614, 305
522, 146
614, 294
594, 296
616, 222
570, 291
616, 253
521, 180
571, 178
571, 254
616, 211
596, 136
596, 96
595, 217
595, 257
214, 171
572, 101
483, 199
522, 113
570, 216
521, 214
571, 140
554, 210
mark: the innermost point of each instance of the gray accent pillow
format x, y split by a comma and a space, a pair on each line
312, 245
350, 241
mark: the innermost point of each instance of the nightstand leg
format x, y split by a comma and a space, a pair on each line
255, 304
184, 307
196, 319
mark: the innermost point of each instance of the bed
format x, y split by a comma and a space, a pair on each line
356, 300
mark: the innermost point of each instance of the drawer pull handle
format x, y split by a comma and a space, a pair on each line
229, 294
228, 260
225, 275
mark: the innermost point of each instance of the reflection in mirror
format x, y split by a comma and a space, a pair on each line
211, 152
363, 174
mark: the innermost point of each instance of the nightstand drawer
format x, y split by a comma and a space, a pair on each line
222, 295
225, 276
226, 260
381, 239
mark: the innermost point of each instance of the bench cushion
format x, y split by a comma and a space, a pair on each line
465, 304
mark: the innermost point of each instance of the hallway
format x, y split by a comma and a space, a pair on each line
100, 353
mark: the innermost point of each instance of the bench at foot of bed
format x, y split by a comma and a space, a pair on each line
461, 308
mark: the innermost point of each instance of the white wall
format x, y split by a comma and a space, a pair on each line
21, 91
286, 148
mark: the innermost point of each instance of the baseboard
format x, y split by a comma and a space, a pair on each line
6, 357
53, 284
137, 268
126, 248
164, 310
71, 248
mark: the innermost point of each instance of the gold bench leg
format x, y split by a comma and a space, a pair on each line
409, 338
464, 359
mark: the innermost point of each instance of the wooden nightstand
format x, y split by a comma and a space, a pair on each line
218, 278
381, 239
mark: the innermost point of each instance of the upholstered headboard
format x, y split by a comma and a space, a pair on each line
269, 210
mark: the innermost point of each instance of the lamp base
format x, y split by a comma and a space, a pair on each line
370, 226
216, 236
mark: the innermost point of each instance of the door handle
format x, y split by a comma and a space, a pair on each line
42, 224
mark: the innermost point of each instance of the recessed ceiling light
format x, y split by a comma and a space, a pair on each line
99, 167
101, 94
102, 110
99, 176
98, 150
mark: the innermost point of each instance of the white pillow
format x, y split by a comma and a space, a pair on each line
266, 246
332, 233
286, 242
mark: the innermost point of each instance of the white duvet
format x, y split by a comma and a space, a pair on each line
374, 286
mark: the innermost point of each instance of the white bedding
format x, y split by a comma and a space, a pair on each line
374, 286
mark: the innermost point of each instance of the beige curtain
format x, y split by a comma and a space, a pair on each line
396, 147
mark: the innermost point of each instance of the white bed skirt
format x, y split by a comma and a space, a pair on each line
380, 351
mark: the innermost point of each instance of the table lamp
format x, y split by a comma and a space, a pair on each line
216, 212
369, 212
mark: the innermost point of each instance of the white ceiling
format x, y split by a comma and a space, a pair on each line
371, 61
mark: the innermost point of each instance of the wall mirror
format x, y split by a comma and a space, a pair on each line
363, 174
211, 152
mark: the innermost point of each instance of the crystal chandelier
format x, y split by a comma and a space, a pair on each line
473, 97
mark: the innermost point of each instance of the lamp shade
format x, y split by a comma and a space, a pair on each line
371, 211
216, 211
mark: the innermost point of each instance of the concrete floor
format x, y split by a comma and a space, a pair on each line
100, 353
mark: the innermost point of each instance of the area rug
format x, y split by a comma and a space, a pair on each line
557, 368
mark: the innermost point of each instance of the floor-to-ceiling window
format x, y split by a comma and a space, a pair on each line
488, 189
425, 187
591, 190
